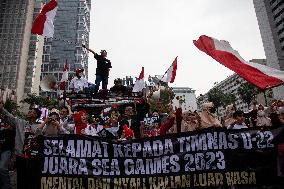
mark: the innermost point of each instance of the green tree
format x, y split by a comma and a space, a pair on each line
164, 102
33, 99
228, 99
200, 99
247, 92
12, 107
215, 95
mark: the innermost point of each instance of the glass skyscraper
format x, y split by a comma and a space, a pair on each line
270, 16
16, 17
72, 27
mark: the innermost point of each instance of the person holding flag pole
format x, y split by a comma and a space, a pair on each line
103, 67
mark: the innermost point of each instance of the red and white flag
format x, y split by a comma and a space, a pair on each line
170, 75
139, 84
43, 24
260, 75
64, 78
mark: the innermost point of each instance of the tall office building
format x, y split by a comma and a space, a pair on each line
32, 80
72, 27
16, 17
187, 98
270, 16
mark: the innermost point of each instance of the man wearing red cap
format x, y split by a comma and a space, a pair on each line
78, 83
102, 71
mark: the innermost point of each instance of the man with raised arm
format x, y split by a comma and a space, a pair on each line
103, 67
21, 126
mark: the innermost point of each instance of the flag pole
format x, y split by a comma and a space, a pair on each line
64, 92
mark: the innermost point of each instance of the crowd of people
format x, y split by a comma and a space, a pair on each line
129, 122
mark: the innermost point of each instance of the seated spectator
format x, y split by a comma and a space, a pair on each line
239, 120
79, 83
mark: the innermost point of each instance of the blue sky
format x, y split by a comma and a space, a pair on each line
151, 33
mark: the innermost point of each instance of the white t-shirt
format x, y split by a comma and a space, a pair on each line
78, 84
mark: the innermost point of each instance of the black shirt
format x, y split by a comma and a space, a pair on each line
103, 65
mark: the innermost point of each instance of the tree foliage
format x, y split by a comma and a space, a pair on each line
33, 100
228, 99
12, 107
220, 99
215, 95
247, 92
164, 102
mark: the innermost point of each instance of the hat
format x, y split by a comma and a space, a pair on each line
128, 132
79, 70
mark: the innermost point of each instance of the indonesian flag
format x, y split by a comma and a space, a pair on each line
43, 24
170, 75
64, 78
262, 76
139, 84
